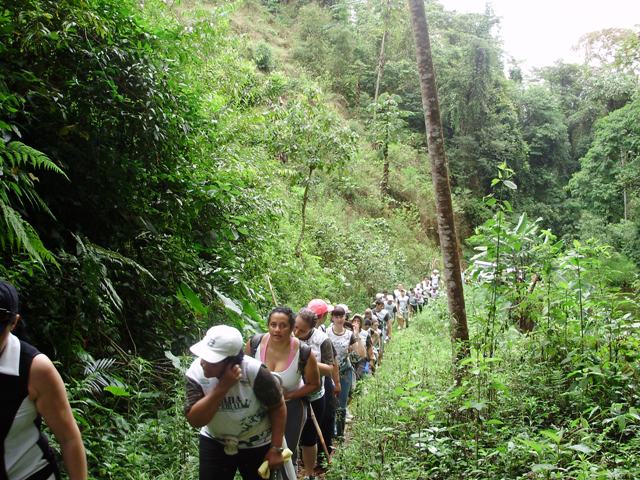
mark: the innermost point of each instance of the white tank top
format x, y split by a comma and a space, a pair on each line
240, 415
289, 378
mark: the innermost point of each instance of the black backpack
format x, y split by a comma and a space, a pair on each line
305, 351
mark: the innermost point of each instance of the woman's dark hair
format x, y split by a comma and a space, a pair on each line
308, 316
285, 311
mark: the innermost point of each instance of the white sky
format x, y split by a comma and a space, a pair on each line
539, 32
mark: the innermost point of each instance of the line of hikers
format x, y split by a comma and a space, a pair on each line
315, 356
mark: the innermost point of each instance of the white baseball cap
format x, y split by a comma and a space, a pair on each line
220, 342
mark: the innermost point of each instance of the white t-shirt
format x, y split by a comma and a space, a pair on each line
240, 414
341, 342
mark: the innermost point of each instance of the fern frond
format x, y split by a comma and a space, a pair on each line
104, 254
97, 374
21, 154
22, 236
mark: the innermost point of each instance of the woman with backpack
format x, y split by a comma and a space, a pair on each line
291, 362
308, 333
32, 389
344, 341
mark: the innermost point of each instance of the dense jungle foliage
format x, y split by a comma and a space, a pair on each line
166, 166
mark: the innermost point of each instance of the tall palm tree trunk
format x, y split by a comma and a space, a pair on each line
440, 177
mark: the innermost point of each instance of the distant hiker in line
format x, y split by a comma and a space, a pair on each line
33, 389
292, 363
322, 350
413, 302
435, 281
363, 364
384, 321
402, 300
239, 406
331, 383
391, 307
344, 341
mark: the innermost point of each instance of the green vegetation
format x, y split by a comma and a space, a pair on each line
556, 404
164, 164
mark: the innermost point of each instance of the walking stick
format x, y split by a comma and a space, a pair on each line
273, 294
320, 436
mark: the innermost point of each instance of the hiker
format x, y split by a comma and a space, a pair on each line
375, 334
391, 307
331, 383
322, 350
239, 406
402, 302
321, 309
32, 389
384, 321
343, 341
398, 289
435, 281
291, 362
413, 302
421, 296
363, 364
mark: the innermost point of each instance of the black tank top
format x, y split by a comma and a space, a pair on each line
14, 391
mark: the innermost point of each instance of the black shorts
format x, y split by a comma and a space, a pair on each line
309, 436
217, 465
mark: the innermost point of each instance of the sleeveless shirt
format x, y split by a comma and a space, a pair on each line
290, 378
25, 451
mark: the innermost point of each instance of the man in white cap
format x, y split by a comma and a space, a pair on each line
239, 406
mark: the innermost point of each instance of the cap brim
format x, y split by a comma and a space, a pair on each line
201, 350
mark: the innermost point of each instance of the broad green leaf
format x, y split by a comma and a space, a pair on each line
581, 448
191, 299
228, 303
117, 391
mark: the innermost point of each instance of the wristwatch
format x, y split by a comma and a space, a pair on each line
277, 449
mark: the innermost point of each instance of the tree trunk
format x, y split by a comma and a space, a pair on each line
305, 199
384, 184
380, 65
440, 177
381, 59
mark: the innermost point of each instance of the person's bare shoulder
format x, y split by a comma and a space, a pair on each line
43, 376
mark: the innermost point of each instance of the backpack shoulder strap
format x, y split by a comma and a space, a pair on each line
305, 351
255, 343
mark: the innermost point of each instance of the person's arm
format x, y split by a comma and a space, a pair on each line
311, 380
356, 345
268, 392
46, 389
325, 365
335, 374
204, 409
278, 417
